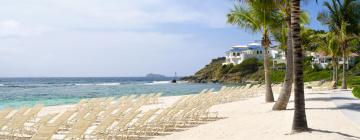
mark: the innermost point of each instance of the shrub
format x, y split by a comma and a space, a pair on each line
248, 66
226, 68
280, 66
277, 76
317, 75
356, 92
353, 81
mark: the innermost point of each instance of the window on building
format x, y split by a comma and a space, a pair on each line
238, 54
322, 60
257, 52
260, 52
234, 54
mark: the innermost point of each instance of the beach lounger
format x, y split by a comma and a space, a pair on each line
140, 125
119, 130
47, 130
5, 112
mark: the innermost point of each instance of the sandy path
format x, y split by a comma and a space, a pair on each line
348, 104
253, 120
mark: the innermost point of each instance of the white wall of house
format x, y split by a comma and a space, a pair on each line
237, 54
274, 53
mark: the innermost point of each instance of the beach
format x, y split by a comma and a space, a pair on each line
253, 119
180, 70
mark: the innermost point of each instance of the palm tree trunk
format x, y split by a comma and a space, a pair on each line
285, 92
265, 42
334, 73
343, 83
299, 120
269, 97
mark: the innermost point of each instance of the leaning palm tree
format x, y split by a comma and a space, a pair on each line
283, 36
258, 16
329, 45
299, 120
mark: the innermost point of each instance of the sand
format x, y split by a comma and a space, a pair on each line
253, 119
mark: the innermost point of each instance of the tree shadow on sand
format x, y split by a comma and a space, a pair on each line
178, 128
335, 132
327, 99
346, 106
349, 106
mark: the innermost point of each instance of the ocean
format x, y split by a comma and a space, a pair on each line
18, 92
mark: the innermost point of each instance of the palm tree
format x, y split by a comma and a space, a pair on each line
308, 38
283, 36
342, 16
339, 11
344, 39
258, 16
299, 120
328, 45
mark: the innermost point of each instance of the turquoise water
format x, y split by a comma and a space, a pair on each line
16, 92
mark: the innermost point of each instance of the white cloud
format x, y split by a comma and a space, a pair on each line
124, 14
14, 29
129, 38
73, 53
8, 24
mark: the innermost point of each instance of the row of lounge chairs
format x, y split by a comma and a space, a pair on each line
24, 123
123, 118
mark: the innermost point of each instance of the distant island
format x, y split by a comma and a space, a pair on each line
152, 75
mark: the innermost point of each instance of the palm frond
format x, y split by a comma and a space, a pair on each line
243, 18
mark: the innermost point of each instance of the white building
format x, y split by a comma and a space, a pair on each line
324, 60
237, 54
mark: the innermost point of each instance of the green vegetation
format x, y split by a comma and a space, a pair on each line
354, 81
249, 66
314, 73
258, 17
252, 70
340, 41
356, 92
210, 73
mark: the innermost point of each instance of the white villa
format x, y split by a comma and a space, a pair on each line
324, 60
237, 54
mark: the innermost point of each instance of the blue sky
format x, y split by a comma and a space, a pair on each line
66, 38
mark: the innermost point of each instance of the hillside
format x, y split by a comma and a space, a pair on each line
251, 70
216, 72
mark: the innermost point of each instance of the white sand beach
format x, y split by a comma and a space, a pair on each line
253, 119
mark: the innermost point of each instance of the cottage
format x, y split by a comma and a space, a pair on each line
237, 54
323, 61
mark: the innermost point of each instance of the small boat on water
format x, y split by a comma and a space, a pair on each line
174, 80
